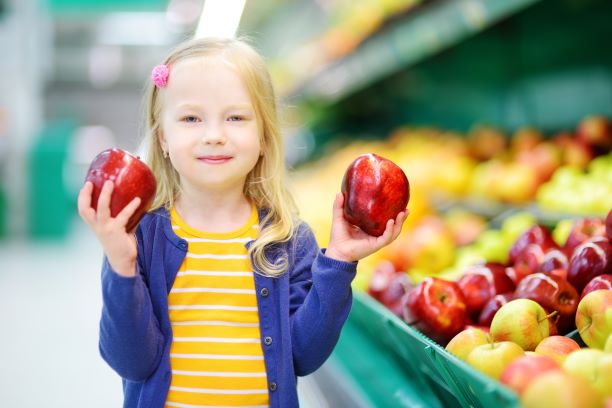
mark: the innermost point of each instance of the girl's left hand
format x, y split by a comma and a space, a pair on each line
349, 243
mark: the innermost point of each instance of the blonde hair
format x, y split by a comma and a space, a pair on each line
265, 185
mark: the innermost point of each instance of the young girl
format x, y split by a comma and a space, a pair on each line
221, 297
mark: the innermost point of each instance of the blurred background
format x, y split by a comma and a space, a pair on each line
494, 109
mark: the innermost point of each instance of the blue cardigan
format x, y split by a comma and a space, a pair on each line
302, 312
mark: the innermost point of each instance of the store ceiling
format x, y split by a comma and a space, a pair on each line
116, 42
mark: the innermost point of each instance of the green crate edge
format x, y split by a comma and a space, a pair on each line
447, 373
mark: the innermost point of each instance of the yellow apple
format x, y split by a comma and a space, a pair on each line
558, 389
593, 365
493, 358
465, 341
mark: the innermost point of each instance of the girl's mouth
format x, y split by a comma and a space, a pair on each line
216, 159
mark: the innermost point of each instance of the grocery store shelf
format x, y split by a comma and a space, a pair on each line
387, 363
496, 212
365, 370
430, 29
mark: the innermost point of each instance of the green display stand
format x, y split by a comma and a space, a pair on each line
391, 364
3, 212
50, 208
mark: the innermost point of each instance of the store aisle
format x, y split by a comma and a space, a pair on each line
49, 309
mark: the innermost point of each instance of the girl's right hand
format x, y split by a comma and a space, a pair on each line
119, 245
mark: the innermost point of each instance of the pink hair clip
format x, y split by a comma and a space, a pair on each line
159, 75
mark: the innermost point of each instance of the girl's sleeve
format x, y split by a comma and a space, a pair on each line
130, 339
320, 300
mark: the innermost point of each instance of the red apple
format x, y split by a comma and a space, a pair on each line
381, 279
518, 271
486, 142
521, 372
597, 283
398, 287
553, 294
525, 139
483, 328
562, 273
582, 231
492, 306
578, 154
480, 283
553, 260
544, 158
375, 191
596, 131
609, 225
437, 308
131, 177
591, 259
538, 235
557, 347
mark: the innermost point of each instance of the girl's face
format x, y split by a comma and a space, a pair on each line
209, 126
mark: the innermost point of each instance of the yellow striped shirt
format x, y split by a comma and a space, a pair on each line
216, 354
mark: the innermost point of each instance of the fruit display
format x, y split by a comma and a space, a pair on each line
477, 268
518, 321
457, 184
579, 191
349, 24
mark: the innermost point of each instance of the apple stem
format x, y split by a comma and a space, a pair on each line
490, 340
547, 316
585, 328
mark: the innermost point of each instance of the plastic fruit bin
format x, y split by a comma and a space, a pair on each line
434, 370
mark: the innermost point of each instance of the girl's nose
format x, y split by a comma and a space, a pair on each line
214, 135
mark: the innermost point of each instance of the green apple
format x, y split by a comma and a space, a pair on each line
562, 231
558, 389
465, 341
522, 321
608, 346
594, 318
493, 358
492, 246
593, 365
515, 225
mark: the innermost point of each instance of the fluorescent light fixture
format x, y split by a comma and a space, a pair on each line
220, 18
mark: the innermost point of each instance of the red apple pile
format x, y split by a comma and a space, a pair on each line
553, 277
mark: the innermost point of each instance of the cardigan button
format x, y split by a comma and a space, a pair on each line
264, 292
267, 340
183, 245
272, 386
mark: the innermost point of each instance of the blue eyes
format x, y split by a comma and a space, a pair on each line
190, 119
195, 119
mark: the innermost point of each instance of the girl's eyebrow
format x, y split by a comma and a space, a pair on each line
188, 106
240, 106
227, 108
